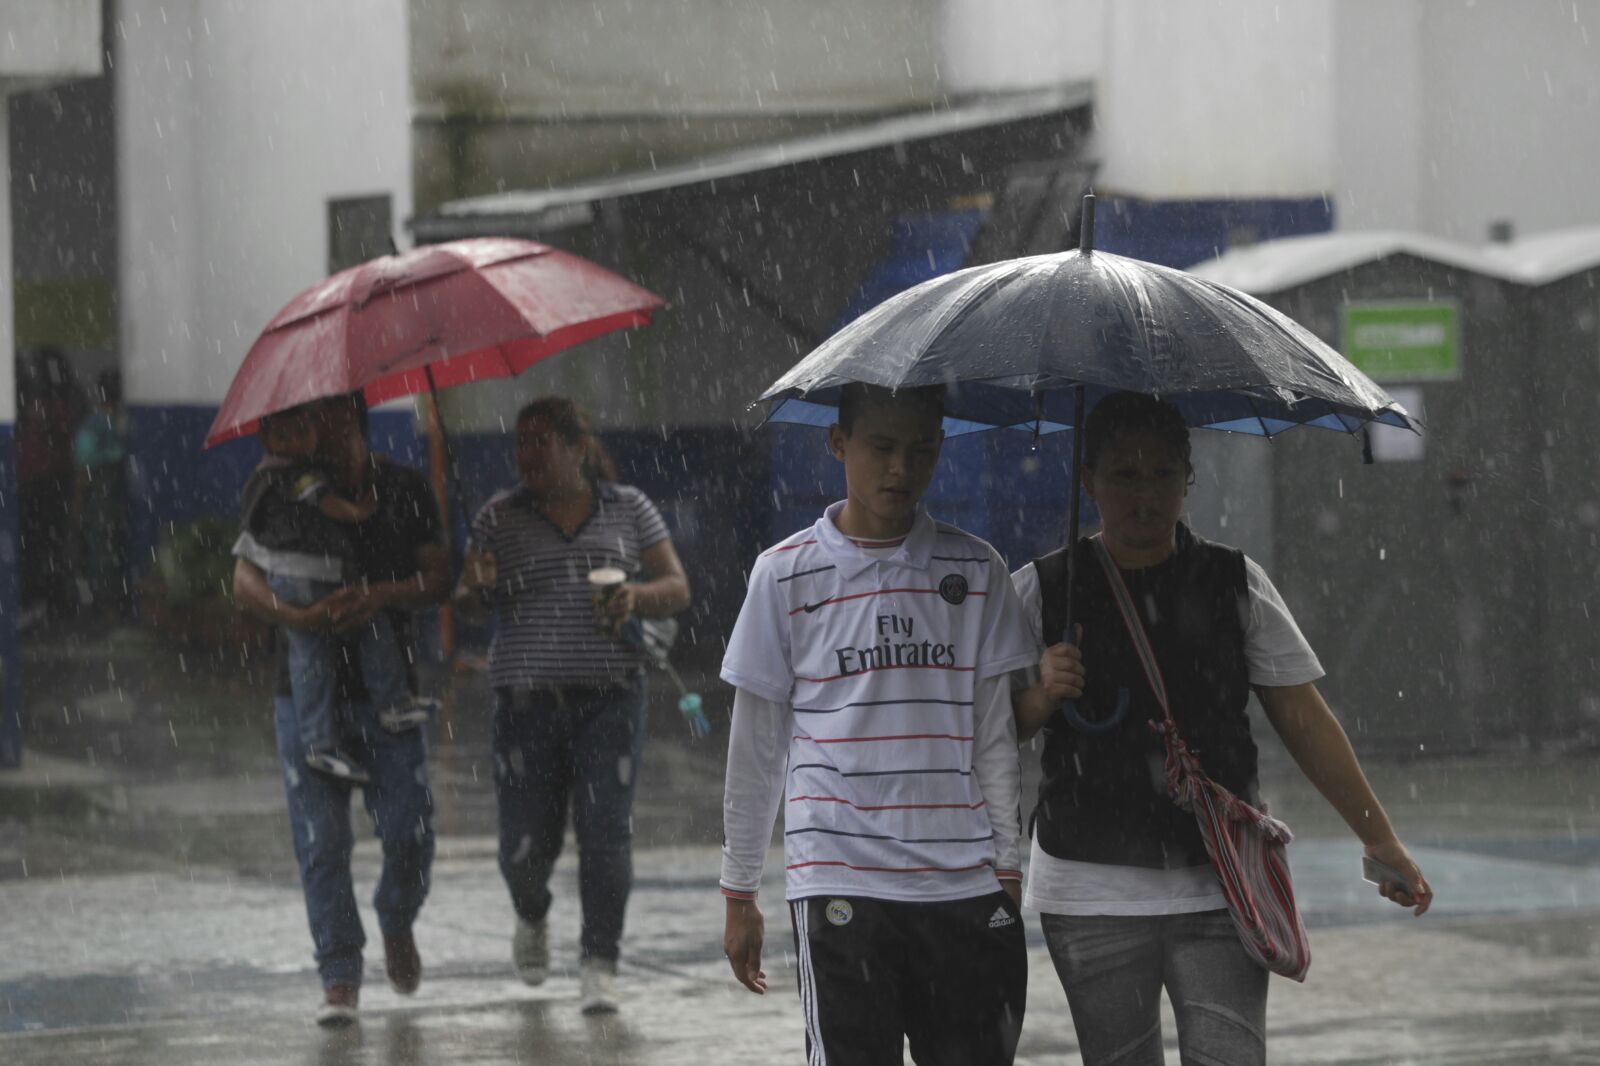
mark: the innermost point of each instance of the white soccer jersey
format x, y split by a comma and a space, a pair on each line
881, 655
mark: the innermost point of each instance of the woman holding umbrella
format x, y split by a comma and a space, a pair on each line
569, 693
1129, 901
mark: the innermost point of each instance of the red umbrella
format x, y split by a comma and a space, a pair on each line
438, 315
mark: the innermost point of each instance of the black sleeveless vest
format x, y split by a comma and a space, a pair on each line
1103, 798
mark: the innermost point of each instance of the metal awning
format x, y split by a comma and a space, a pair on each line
529, 213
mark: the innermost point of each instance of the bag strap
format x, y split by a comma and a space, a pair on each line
1135, 627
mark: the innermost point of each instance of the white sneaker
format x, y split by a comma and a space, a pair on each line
337, 764
530, 951
416, 711
598, 987
338, 1006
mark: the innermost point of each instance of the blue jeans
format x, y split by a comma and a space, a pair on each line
313, 659
401, 806
584, 744
1113, 969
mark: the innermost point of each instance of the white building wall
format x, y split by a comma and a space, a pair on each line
238, 121
49, 40
1036, 43
1378, 104
1510, 124
1433, 115
1226, 99
158, 201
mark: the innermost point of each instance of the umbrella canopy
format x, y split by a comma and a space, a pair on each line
453, 313
1035, 342
1013, 340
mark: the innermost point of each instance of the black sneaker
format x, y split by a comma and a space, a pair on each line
408, 715
337, 764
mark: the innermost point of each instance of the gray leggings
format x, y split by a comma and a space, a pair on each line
1113, 969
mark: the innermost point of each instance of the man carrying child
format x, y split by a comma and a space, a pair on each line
872, 704
398, 565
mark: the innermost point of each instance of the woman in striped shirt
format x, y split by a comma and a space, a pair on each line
569, 694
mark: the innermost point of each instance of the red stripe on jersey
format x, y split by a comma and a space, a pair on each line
875, 669
809, 607
787, 548
867, 740
893, 869
892, 806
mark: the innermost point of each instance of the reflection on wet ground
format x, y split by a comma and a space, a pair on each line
524, 1032
151, 912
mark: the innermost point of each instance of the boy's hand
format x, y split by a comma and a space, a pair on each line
742, 937
1061, 672
1014, 890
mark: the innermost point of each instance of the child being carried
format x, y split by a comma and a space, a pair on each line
297, 528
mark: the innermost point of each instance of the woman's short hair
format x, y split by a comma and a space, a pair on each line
572, 424
1122, 413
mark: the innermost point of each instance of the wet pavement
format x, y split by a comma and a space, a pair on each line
152, 915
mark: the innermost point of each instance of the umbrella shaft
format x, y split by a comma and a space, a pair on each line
1072, 506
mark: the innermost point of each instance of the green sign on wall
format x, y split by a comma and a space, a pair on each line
1403, 341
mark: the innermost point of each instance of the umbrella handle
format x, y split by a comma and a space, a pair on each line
1069, 711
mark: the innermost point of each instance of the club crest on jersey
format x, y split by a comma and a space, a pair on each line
839, 912
953, 589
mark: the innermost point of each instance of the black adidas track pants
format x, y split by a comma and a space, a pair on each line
952, 977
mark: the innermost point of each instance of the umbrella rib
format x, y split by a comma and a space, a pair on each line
1251, 400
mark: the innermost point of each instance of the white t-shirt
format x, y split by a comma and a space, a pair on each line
885, 666
1276, 654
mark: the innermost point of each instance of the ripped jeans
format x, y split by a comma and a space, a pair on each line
401, 807
579, 743
1113, 969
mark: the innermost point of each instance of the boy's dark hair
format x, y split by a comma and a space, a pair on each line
572, 424
1133, 412
855, 398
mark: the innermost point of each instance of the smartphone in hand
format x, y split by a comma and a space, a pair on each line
1379, 872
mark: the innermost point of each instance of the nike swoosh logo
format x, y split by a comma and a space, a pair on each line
811, 608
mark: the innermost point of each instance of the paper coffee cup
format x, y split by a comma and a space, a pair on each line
603, 584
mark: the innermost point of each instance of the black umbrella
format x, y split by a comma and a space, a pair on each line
1033, 343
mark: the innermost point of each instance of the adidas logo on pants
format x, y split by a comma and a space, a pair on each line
951, 976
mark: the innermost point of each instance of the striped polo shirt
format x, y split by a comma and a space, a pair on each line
880, 652
544, 621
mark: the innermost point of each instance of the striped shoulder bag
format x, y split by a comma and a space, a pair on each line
1246, 845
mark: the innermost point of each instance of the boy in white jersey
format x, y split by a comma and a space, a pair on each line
872, 704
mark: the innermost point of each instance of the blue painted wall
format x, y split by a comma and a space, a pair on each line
924, 246
1181, 233
10, 604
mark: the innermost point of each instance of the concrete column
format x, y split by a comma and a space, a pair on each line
10, 599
